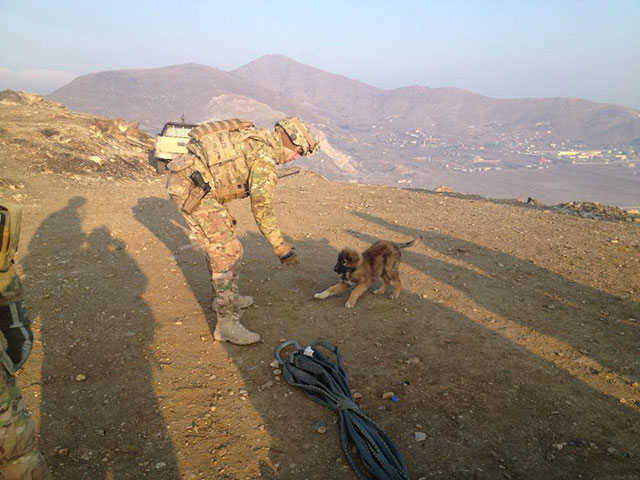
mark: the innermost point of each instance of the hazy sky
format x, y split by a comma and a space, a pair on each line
503, 49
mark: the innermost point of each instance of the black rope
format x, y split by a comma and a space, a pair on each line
327, 383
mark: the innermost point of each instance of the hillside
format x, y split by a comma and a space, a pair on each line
156, 96
413, 135
341, 98
44, 137
445, 112
513, 346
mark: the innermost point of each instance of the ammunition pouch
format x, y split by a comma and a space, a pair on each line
231, 179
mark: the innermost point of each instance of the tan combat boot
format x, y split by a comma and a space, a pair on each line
231, 330
227, 305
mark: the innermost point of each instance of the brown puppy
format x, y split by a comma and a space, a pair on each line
380, 260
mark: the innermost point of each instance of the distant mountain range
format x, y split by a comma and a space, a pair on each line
371, 129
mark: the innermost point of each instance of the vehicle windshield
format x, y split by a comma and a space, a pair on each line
177, 131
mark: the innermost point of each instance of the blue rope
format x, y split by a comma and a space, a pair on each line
327, 383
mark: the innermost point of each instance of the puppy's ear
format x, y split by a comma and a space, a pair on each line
352, 257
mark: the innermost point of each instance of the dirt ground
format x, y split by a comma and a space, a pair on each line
526, 324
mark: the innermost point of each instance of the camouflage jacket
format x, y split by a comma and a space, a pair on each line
262, 151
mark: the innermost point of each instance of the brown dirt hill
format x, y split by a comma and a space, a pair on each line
513, 346
155, 96
45, 137
451, 113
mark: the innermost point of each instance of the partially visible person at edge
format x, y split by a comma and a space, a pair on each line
20, 458
235, 160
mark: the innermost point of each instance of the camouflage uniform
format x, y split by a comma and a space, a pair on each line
214, 226
19, 456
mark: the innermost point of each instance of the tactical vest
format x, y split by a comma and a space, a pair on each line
10, 219
219, 160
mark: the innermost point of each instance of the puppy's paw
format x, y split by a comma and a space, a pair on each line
379, 291
349, 304
321, 295
393, 296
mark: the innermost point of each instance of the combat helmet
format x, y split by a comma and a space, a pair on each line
299, 134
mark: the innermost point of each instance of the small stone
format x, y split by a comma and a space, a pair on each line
413, 360
266, 385
420, 436
274, 364
160, 465
321, 430
612, 449
387, 395
95, 159
244, 393
558, 446
277, 372
100, 432
61, 451
81, 377
85, 457
357, 395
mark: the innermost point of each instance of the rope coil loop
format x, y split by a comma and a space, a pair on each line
327, 383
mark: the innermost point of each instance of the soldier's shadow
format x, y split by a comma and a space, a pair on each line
98, 400
161, 217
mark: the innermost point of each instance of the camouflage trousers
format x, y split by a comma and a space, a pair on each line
20, 458
214, 227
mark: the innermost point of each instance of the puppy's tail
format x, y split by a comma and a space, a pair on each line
413, 242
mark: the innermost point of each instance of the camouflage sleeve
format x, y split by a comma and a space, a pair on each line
262, 185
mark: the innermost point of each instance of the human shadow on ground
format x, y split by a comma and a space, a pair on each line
593, 322
99, 413
161, 218
485, 403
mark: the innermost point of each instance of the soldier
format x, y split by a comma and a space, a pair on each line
19, 456
227, 160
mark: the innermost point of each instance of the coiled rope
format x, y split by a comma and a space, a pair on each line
327, 383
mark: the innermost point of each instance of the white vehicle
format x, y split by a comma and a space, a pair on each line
172, 141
